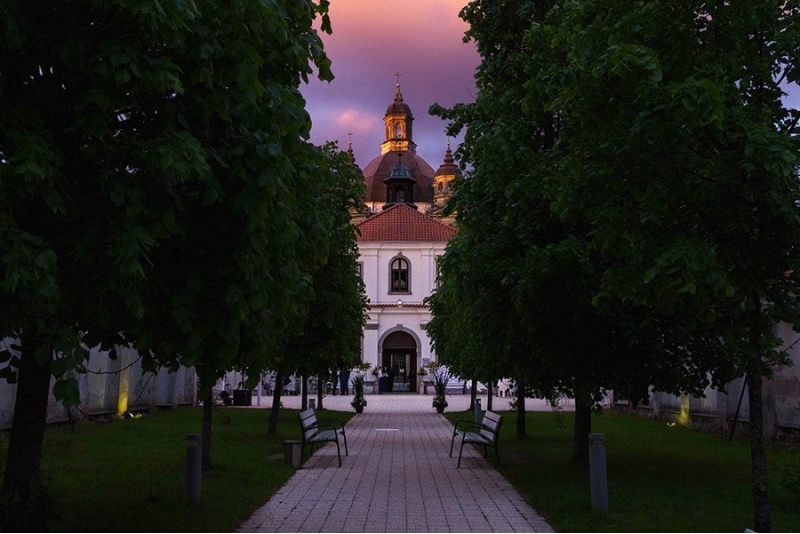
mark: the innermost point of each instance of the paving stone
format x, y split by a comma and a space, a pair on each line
396, 480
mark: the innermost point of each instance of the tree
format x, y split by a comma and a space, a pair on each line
473, 327
678, 149
517, 280
534, 276
151, 156
334, 319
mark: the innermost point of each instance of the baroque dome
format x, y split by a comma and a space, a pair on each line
380, 167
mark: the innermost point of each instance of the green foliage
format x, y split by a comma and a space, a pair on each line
357, 382
156, 184
631, 218
330, 333
440, 375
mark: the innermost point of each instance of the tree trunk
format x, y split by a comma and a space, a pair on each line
319, 393
520, 411
303, 393
473, 394
583, 427
272, 425
758, 458
489, 394
30, 415
208, 411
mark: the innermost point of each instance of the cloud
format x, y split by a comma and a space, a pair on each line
356, 121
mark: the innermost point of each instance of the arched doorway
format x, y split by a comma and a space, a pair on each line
400, 361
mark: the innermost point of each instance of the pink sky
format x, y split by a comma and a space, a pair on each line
371, 41
374, 39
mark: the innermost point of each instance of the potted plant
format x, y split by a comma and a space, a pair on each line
440, 376
421, 373
358, 402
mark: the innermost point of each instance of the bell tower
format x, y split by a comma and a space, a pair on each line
442, 180
399, 122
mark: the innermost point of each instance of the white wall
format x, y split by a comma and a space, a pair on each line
385, 315
111, 387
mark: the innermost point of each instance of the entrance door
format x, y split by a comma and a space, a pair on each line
398, 367
399, 361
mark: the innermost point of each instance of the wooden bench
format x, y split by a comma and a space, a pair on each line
313, 432
485, 433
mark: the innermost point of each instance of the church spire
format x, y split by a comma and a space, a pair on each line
350, 147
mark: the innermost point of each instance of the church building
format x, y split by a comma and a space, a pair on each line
401, 236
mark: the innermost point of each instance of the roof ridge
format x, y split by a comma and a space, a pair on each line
394, 221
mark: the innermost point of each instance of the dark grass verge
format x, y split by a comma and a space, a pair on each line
127, 475
662, 478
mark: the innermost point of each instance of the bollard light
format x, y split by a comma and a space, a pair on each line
192, 467
598, 475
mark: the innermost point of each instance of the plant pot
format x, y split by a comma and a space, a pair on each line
440, 409
359, 409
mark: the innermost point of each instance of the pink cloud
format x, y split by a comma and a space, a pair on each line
358, 122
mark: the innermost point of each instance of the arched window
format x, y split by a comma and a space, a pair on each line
398, 130
399, 282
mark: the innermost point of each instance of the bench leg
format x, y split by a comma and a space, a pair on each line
338, 453
452, 440
345, 443
460, 452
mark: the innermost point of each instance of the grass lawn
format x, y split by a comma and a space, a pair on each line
661, 478
127, 476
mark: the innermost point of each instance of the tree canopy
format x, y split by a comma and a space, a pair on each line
155, 179
635, 175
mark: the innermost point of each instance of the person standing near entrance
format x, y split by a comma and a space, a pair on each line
381, 381
344, 379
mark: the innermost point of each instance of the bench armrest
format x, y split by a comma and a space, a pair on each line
467, 421
478, 427
334, 422
319, 427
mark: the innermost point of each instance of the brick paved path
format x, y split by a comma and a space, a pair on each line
397, 478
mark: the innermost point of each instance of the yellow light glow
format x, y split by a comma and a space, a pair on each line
684, 418
122, 400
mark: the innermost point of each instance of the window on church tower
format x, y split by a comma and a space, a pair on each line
398, 130
399, 282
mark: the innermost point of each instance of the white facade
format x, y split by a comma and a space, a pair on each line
399, 243
398, 311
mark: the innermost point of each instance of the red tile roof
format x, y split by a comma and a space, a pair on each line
403, 223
